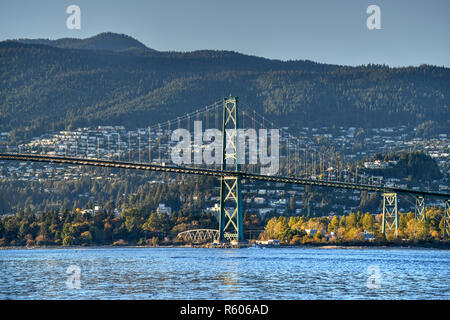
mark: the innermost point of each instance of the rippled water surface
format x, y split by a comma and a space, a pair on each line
193, 273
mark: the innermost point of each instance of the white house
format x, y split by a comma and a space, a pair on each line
162, 208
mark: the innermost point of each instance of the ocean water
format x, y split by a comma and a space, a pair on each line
201, 273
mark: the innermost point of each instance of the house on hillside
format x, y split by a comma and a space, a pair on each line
162, 208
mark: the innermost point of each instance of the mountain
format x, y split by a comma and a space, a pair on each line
103, 41
64, 84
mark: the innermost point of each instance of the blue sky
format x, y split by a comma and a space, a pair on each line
413, 32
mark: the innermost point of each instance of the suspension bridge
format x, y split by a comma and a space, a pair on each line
299, 163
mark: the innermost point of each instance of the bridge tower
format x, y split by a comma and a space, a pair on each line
230, 222
446, 227
419, 213
390, 216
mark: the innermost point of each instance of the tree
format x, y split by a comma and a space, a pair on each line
296, 240
318, 236
11, 228
270, 228
416, 230
24, 229
351, 221
334, 224
86, 237
342, 222
69, 241
368, 222
153, 224
131, 224
282, 230
155, 241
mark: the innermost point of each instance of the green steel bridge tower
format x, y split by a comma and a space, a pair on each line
230, 220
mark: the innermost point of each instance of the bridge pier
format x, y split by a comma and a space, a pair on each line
390, 213
420, 214
230, 222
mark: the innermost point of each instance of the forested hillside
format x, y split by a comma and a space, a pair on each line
103, 41
50, 85
414, 165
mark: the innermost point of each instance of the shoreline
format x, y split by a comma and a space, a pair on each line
306, 246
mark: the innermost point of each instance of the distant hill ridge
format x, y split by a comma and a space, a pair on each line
103, 41
48, 85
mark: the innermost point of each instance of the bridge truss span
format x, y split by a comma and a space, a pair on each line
199, 235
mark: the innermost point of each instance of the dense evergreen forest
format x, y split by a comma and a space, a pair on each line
114, 79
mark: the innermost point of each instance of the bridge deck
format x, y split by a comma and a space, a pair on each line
214, 172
